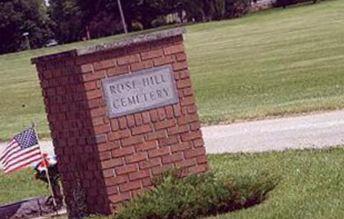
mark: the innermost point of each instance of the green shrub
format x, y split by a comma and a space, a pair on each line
197, 196
237, 8
285, 3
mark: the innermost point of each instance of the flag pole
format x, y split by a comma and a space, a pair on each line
47, 171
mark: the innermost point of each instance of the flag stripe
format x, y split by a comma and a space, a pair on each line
14, 150
22, 156
23, 165
20, 153
8, 149
23, 159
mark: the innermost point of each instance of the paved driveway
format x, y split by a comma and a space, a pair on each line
311, 131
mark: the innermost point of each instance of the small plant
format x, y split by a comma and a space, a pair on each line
197, 196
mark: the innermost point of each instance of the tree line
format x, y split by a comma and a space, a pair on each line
33, 23
65, 21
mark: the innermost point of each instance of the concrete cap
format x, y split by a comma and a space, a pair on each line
128, 41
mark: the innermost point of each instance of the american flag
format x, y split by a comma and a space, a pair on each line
21, 152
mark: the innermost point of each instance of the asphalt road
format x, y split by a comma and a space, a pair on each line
310, 131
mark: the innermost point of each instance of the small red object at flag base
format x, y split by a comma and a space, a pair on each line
47, 161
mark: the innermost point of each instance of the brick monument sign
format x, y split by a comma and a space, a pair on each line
121, 114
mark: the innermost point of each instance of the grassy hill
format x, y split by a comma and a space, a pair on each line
267, 64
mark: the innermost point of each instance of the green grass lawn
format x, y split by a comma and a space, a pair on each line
269, 63
21, 185
311, 186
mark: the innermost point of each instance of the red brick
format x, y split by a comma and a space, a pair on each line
116, 180
130, 121
117, 135
138, 119
111, 163
130, 186
177, 130
147, 183
100, 129
174, 49
151, 54
187, 101
117, 70
122, 152
185, 83
86, 68
150, 163
162, 169
181, 56
98, 139
154, 115
112, 190
163, 60
186, 163
161, 113
165, 124
137, 157
202, 159
168, 141
141, 129
187, 119
104, 64
97, 112
180, 147
139, 175
148, 145
180, 66
191, 135
114, 124
128, 59
184, 74
156, 135
126, 169
94, 76
120, 197
132, 140
169, 112
172, 158
187, 92
159, 152
177, 110
198, 143
192, 109
141, 65
194, 153
109, 173
95, 103
122, 123
105, 155
146, 117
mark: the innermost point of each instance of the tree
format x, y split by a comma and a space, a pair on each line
67, 18
23, 16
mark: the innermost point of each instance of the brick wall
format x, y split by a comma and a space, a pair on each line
105, 161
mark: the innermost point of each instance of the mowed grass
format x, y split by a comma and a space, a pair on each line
311, 186
311, 183
20, 185
269, 63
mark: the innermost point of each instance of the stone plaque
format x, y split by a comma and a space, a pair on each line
140, 91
